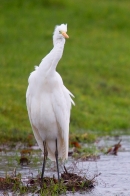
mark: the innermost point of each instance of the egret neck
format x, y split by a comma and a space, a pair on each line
57, 53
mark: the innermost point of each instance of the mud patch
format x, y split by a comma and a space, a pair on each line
111, 160
68, 182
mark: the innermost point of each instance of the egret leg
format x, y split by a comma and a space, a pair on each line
56, 155
44, 160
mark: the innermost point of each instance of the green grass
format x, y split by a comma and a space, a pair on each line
95, 65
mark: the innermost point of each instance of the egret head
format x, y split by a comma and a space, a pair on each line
60, 32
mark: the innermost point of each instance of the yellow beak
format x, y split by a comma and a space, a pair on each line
65, 34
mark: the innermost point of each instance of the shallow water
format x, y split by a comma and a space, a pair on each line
114, 179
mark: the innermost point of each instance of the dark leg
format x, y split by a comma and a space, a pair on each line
44, 161
56, 155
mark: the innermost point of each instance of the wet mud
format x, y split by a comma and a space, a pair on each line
106, 173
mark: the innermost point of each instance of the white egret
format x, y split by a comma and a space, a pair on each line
49, 103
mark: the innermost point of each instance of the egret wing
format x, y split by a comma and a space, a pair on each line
61, 103
35, 130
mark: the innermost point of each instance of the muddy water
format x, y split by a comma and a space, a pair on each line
115, 170
114, 179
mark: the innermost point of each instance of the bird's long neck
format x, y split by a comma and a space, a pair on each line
49, 63
57, 53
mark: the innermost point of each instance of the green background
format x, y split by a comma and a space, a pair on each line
95, 65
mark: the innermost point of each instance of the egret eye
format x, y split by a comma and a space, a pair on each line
60, 32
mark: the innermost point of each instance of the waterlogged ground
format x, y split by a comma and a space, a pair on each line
112, 171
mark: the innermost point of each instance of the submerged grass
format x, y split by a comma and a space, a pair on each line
14, 182
51, 186
95, 65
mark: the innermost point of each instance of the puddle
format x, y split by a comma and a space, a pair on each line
115, 170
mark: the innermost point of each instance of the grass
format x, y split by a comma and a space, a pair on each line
95, 65
69, 182
17, 180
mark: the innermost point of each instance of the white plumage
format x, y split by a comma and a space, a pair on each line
49, 101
